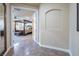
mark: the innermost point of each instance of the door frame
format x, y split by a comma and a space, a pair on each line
36, 21
5, 37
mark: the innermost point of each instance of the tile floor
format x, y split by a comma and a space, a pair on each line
25, 46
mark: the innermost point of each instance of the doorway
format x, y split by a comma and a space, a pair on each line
23, 27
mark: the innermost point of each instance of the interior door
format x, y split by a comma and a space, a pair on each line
2, 30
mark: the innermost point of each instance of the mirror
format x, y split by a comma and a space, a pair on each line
2, 30
78, 17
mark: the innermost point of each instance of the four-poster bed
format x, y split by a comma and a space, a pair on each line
23, 27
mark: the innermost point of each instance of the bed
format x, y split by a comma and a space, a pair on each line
28, 28
23, 27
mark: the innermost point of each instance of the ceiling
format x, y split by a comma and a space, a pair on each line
29, 4
33, 4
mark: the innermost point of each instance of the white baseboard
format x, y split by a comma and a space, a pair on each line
70, 53
36, 42
56, 48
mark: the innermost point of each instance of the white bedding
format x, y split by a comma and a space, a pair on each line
19, 26
28, 24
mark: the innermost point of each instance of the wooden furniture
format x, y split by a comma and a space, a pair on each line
23, 30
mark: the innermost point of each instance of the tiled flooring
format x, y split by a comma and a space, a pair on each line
25, 46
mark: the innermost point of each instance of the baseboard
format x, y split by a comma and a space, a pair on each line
56, 48
70, 53
9, 52
36, 42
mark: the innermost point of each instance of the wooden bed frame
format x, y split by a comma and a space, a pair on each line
21, 32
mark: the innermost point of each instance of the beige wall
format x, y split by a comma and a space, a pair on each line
57, 38
24, 5
74, 35
8, 25
1, 10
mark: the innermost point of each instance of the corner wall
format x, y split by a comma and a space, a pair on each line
74, 35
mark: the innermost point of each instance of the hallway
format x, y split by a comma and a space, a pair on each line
27, 47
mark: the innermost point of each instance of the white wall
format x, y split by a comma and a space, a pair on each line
23, 5
60, 42
74, 35
35, 27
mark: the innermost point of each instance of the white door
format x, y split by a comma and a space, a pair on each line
55, 25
